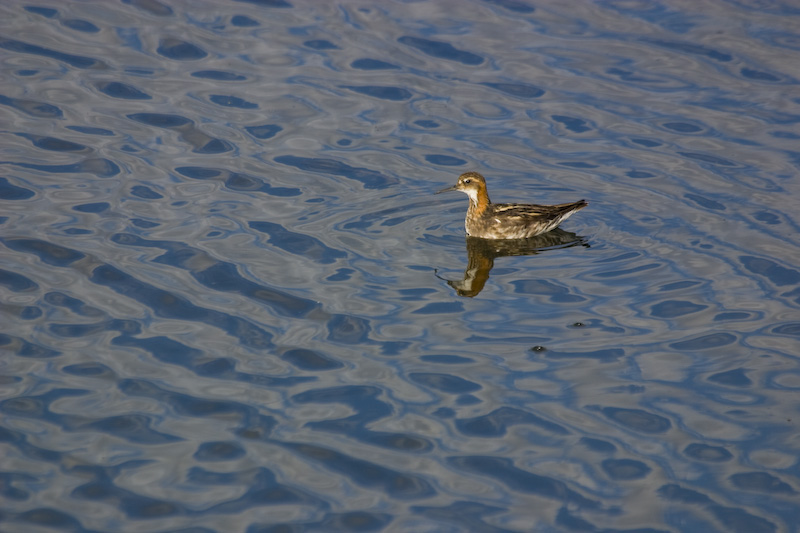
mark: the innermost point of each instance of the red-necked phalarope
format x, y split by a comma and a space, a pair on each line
507, 221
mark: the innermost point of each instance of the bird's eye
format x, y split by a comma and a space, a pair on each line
467, 180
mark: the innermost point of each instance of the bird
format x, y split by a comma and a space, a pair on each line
486, 220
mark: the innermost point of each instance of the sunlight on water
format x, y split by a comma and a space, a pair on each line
231, 301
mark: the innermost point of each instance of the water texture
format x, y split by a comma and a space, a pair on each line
231, 302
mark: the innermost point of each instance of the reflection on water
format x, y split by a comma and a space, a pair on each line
221, 295
481, 254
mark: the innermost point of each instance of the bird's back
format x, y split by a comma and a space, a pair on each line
519, 221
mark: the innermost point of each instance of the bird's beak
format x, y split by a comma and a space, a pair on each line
448, 189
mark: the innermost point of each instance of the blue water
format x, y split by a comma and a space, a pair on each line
232, 303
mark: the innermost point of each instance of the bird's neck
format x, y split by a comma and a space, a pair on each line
478, 202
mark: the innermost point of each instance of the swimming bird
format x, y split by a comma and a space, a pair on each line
507, 221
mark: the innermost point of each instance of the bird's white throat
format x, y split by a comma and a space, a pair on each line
473, 196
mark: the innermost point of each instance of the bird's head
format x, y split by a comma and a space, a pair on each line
470, 183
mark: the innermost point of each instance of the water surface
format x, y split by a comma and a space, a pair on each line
231, 302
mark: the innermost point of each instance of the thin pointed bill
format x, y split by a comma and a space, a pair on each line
448, 189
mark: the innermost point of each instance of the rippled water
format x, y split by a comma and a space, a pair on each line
231, 302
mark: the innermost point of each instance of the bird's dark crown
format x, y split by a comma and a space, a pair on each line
471, 180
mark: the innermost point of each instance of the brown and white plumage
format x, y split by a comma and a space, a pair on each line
507, 221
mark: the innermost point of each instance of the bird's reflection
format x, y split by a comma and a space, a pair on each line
481, 254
